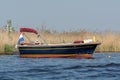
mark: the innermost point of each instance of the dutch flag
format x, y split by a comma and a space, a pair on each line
21, 38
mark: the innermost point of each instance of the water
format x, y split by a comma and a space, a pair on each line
105, 66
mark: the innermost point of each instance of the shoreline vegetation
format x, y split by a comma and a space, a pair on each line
110, 41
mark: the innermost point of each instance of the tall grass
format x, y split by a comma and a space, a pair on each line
110, 41
7, 40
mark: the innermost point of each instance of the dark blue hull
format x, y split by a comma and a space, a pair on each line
54, 51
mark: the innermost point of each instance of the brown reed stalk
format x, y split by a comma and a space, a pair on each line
110, 41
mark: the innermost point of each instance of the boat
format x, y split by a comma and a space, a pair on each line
75, 49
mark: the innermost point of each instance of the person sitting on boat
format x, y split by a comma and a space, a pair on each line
21, 39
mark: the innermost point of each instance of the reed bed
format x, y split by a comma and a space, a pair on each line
110, 41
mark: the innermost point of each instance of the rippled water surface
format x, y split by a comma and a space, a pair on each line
104, 66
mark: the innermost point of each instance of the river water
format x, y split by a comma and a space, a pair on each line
103, 66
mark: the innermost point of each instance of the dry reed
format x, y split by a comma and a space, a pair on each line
110, 41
